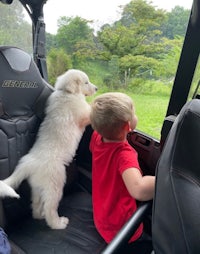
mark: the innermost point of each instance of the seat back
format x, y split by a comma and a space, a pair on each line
23, 94
176, 208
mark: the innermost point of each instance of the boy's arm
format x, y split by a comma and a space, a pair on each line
140, 187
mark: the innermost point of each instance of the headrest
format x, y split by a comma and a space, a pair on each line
20, 82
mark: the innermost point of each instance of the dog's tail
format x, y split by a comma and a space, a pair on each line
7, 191
20, 173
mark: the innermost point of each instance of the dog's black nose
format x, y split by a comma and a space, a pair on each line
96, 89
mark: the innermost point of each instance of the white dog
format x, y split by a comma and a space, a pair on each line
67, 114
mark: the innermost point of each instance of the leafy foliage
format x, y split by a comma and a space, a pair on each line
144, 44
58, 62
14, 30
176, 22
73, 34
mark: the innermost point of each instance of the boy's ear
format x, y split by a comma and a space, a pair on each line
127, 126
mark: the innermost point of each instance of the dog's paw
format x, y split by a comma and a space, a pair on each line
64, 222
60, 223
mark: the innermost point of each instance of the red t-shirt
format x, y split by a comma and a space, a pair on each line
112, 203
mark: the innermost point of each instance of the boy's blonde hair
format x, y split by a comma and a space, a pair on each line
110, 112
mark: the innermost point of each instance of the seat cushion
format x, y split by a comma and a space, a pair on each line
80, 236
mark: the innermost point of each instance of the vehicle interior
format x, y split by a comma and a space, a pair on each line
171, 219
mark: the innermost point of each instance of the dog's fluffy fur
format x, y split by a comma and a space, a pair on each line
67, 114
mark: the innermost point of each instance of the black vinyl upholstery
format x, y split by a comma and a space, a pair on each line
176, 208
23, 95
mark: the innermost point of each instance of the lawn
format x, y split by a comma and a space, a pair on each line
150, 110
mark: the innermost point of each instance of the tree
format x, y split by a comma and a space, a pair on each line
51, 42
14, 29
142, 13
135, 45
176, 22
58, 62
167, 67
136, 38
73, 34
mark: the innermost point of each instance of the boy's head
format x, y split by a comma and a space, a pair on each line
111, 113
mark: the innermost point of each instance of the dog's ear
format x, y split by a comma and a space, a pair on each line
77, 85
73, 86
68, 83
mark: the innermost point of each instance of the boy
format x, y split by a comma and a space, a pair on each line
117, 180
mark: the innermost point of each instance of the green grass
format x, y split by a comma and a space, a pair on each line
150, 110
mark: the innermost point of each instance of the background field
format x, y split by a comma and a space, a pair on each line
151, 111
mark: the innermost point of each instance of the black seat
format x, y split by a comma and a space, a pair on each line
23, 94
176, 208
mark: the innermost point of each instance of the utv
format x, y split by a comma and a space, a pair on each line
175, 220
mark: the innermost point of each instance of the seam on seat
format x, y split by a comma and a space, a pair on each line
177, 204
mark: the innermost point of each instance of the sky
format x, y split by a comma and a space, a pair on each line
100, 11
